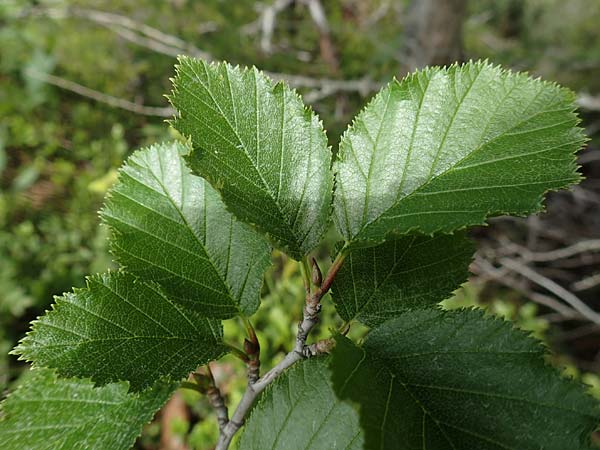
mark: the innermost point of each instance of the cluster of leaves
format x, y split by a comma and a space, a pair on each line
58, 151
442, 150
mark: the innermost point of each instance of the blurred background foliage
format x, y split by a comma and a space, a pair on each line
60, 150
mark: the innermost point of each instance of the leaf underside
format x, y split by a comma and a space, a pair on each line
300, 411
415, 271
120, 328
432, 380
46, 413
446, 148
171, 227
260, 147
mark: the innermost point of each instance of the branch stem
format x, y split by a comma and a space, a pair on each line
312, 307
216, 400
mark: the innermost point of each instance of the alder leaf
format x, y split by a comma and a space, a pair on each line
171, 227
458, 380
120, 328
260, 147
446, 148
378, 283
49, 413
300, 411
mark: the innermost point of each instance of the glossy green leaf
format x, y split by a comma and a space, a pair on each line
300, 411
260, 147
171, 227
378, 283
446, 148
46, 413
119, 328
432, 379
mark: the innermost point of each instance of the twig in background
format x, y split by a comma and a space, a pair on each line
586, 283
158, 39
485, 269
170, 45
267, 23
158, 111
143, 41
326, 46
561, 253
579, 332
589, 102
381, 11
553, 287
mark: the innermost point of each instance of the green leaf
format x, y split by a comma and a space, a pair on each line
446, 148
457, 380
171, 227
300, 411
120, 328
260, 147
46, 413
378, 283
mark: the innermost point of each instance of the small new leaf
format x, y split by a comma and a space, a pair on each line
458, 380
446, 148
260, 147
120, 328
300, 411
49, 413
171, 227
378, 283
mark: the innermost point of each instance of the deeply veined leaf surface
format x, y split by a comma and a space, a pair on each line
438, 380
50, 413
415, 271
446, 148
171, 227
120, 328
300, 411
260, 147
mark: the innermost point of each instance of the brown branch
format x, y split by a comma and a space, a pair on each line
215, 398
300, 351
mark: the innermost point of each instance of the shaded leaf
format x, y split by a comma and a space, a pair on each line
260, 147
119, 328
378, 283
446, 148
46, 413
300, 411
171, 227
457, 380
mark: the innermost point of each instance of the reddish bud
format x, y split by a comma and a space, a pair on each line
317, 276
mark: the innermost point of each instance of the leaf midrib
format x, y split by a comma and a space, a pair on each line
182, 171
266, 187
480, 146
205, 256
